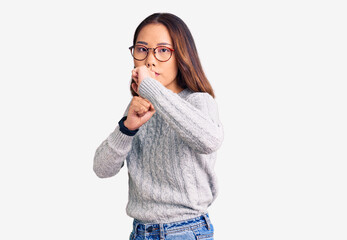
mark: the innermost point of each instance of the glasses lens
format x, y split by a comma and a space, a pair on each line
139, 52
163, 53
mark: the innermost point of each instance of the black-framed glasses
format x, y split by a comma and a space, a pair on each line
161, 53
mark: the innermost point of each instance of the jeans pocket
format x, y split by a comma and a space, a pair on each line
204, 233
186, 235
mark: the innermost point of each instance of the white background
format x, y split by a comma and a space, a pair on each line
278, 69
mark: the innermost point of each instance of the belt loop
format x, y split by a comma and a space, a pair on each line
145, 229
162, 235
207, 221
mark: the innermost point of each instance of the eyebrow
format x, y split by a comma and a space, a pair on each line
162, 43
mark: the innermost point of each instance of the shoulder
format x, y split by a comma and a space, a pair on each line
203, 100
200, 96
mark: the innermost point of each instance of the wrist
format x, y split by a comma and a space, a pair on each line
124, 129
126, 125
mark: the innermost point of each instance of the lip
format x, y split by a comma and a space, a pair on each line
156, 74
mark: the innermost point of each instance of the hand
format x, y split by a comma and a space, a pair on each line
140, 111
138, 74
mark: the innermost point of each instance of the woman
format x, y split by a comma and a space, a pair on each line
169, 135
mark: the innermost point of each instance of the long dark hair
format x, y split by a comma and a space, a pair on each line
190, 73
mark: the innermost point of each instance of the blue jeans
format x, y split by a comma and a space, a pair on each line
190, 229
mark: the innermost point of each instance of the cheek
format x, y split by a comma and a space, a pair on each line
172, 70
138, 63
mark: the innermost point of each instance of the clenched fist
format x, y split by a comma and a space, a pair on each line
138, 74
140, 111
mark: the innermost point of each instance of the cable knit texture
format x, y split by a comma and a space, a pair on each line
171, 158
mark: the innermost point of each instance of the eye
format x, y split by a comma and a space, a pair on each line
140, 49
163, 50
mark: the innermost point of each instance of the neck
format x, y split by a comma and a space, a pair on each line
175, 87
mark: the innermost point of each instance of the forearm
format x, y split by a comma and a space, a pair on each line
110, 155
195, 120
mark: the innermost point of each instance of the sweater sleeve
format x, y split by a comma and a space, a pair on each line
110, 155
196, 119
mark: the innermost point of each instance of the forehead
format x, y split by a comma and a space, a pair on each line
154, 33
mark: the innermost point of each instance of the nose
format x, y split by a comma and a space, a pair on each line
151, 60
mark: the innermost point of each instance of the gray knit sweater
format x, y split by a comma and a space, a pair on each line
171, 158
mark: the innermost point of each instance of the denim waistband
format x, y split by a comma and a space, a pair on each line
162, 228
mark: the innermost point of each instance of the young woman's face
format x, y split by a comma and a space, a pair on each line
151, 36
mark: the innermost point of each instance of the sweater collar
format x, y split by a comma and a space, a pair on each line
181, 93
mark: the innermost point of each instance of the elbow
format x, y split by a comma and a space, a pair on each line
102, 174
101, 171
209, 149
212, 145
214, 141
204, 151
